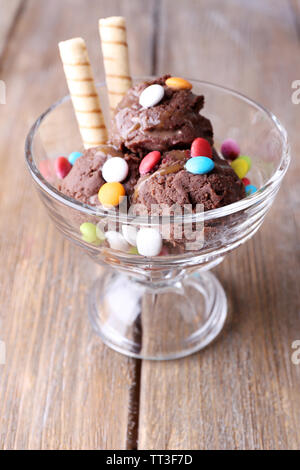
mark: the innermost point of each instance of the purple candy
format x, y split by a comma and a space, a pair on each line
230, 149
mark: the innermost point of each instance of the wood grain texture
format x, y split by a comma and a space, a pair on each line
9, 10
61, 388
242, 391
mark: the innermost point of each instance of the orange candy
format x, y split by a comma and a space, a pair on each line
178, 83
111, 194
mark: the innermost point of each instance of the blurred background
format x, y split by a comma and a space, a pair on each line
60, 387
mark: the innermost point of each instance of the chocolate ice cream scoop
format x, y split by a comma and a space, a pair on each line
173, 123
172, 184
85, 178
167, 128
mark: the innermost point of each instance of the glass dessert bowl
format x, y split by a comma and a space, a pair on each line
171, 305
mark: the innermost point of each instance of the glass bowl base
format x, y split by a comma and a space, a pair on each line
159, 323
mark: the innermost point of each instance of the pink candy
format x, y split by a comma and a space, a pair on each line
230, 149
149, 162
62, 167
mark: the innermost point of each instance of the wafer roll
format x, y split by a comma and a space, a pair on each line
83, 92
115, 56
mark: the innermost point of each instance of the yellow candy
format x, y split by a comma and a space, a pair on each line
240, 167
178, 83
111, 194
248, 160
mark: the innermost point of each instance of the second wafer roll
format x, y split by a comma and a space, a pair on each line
113, 36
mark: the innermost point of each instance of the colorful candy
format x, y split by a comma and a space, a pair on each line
240, 167
201, 148
62, 167
111, 194
133, 250
116, 241
151, 95
89, 232
199, 165
247, 159
230, 149
74, 156
149, 162
129, 233
178, 83
149, 242
246, 181
115, 169
250, 189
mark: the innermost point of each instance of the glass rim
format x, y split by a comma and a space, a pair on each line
270, 185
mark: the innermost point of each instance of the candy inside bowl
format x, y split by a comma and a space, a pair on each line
161, 301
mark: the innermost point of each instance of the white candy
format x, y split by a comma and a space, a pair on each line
152, 95
129, 233
149, 242
116, 241
115, 170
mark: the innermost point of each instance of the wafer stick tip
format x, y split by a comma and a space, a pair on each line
74, 48
71, 43
112, 20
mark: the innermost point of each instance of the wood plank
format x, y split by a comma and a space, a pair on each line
8, 12
241, 392
61, 388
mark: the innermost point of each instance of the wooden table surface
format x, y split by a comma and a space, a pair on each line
61, 388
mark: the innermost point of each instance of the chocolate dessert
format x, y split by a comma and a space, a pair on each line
158, 130
172, 184
172, 124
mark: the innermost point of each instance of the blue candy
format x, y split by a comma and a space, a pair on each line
250, 189
73, 157
199, 165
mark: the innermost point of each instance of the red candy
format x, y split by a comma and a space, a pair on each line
149, 162
246, 181
201, 148
62, 167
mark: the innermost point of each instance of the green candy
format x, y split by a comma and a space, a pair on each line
247, 159
133, 250
88, 231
